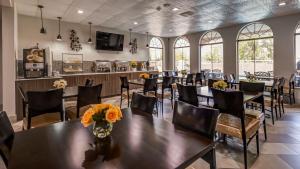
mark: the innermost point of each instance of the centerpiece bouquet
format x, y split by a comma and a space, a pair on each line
60, 84
144, 76
133, 65
183, 72
221, 85
103, 116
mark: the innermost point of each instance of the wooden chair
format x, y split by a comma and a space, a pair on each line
248, 87
281, 95
124, 85
44, 107
289, 90
87, 95
143, 104
201, 120
271, 100
233, 121
199, 78
6, 137
189, 79
166, 91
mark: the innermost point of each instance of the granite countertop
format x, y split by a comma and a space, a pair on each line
76, 74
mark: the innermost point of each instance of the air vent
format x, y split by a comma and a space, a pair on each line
187, 13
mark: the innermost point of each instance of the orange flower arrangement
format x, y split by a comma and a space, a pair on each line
144, 76
101, 113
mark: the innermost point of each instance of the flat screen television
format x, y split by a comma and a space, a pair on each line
109, 41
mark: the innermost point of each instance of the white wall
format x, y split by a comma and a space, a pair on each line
8, 59
284, 57
28, 36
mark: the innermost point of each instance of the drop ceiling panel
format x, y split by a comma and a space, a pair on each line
157, 16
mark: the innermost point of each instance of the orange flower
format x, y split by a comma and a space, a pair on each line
87, 119
119, 112
112, 115
100, 107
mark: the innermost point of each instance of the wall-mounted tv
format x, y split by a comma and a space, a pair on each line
109, 41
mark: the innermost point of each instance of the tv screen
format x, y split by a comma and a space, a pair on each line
109, 41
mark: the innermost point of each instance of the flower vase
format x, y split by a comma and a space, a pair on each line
102, 129
134, 69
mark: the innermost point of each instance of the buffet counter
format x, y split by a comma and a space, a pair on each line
110, 83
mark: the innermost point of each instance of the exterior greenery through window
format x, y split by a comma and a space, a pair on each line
211, 47
182, 54
156, 53
255, 49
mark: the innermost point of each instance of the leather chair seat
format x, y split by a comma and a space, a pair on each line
255, 114
230, 125
42, 120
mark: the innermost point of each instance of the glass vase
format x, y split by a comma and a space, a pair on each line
102, 129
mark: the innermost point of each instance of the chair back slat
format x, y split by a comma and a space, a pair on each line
229, 102
89, 95
124, 82
188, 94
199, 119
253, 87
143, 103
150, 85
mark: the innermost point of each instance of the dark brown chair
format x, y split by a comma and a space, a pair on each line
289, 90
6, 137
166, 91
124, 85
188, 94
233, 121
189, 79
89, 82
44, 107
143, 104
255, 88
87, 95
150, 85
271, 99
281, 94
199, 78
201, 120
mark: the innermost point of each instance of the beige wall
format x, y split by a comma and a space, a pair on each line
284, 57
29, 35
8, 59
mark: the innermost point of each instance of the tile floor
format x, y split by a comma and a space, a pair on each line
280, 151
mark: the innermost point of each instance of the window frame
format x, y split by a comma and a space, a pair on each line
181, 47
162, 51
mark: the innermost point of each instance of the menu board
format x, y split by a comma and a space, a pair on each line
34, 62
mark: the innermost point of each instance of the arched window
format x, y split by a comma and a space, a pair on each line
182, 54
211, 52
297, 46
255, 49
156, 53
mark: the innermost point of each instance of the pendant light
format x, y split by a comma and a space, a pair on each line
90, 38
147, 45
130, 43
43, 30
59, 38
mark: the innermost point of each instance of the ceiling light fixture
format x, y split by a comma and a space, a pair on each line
147, 45
282, 3
175, 9
170, 30
90, 38
210, 21
59, 38
43, 30
130, 43
80, 11
136, 23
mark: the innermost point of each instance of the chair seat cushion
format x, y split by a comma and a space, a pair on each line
255, 114
42, 120
231, 125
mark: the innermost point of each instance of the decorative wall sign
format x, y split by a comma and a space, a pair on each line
75, 44
133, 47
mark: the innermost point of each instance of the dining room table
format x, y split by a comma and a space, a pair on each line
268, 83
136, 142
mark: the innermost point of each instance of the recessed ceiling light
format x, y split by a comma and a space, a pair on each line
210, 21
135, 23
170, 30
282, 3
80, 11
175, 9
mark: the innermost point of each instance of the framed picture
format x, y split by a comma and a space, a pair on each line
72, 63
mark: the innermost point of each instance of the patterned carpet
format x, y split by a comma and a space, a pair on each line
280, 151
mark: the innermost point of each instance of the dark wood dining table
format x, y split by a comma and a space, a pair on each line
141, 82
136, 142
206, 92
